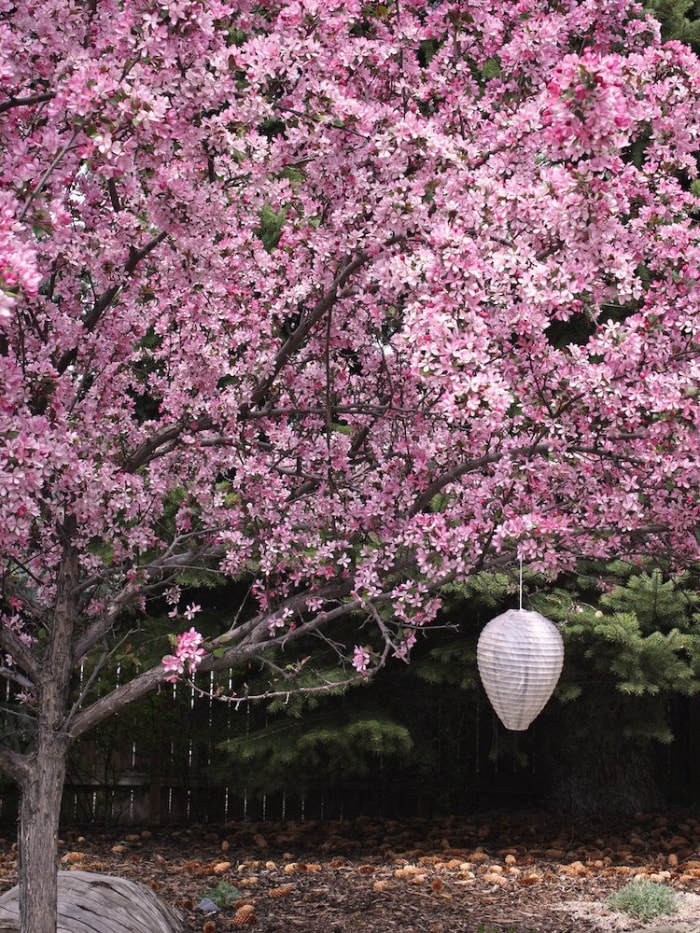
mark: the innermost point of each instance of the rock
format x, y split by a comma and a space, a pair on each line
207, 906
93, 903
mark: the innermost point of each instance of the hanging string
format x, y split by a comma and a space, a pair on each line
521, 582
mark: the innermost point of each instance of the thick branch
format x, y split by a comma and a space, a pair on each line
21, 655
106, 706
15, 766
470, 466
26, 101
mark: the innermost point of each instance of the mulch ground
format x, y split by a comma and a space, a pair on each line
499, 873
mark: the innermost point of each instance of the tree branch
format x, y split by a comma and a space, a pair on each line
81, 721
47, 174
26, 101
162, 442
326, 686
470, 466
108, 296
299, 335
172, 560
21, 654
15, 766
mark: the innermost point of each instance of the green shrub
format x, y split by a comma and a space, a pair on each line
223, 895
644, 900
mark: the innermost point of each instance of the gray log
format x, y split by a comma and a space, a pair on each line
94, 903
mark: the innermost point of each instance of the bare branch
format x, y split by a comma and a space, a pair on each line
81, 721
325, 687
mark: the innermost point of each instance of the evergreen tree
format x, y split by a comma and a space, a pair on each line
680, 19
632, 643
630, 646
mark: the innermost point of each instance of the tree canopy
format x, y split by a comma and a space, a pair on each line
282, 293
346, 299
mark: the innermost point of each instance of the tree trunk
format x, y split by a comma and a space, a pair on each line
40, 809
43, 771
592, 767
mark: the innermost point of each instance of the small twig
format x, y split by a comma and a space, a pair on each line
328, 685
47, 174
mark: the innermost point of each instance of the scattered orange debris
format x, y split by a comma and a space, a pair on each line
282, 891
245, 915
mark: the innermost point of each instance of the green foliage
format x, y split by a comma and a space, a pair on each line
491, 68
340, 740
408, 728
483, 591
271, 224
223, 895
632, 641
427, 51
680, 19
450, 658
450, 661
640, 639
644, 900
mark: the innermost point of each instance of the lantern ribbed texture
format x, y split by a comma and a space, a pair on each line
520, 655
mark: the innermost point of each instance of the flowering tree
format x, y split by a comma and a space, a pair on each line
352, 298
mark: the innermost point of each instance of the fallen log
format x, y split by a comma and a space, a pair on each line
93, 903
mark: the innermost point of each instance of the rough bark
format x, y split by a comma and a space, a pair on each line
44, 768
40, 808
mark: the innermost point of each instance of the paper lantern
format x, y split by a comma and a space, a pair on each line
520, 655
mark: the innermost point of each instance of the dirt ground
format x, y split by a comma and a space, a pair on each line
497, 873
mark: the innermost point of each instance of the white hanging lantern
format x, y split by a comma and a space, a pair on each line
520, 655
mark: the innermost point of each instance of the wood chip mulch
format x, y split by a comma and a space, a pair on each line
495, 873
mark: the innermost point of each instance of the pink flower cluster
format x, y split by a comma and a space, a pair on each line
188, 656
18, 270
337, 357
361, 659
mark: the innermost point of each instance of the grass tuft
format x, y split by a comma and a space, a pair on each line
644, 900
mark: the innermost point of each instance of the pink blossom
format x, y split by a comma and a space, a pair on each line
174, 667
361, 659
188, 655
332, 359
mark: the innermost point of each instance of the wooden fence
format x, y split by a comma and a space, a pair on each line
158, 762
